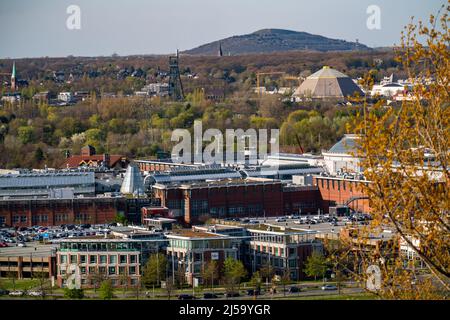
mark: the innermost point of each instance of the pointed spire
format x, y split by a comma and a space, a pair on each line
13, 77
13, 73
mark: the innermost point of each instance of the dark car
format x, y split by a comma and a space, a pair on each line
252, 292
209, 296
232, 294
294, 289
186, 297
3, 292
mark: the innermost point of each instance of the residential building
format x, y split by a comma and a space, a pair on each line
189, 251
89, 158
85, 260
281, 248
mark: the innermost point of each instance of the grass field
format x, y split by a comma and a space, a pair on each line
20, 284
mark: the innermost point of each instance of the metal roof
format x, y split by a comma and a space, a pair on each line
346, 145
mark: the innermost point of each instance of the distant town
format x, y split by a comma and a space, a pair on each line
94, 204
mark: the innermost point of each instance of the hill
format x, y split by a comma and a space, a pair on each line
274, 40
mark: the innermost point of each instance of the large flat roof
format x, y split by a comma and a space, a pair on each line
188, 233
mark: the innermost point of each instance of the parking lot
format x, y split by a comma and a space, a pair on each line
315, 223
24, 236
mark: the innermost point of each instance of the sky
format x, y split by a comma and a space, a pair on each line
37, 28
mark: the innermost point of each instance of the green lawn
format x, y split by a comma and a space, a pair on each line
20, 284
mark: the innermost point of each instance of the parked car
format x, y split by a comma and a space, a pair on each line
329, 287
3, 292
36, 293
17, 293
280, 220
294, 289
209, 295
21, 244
251, 292
232, 294
3, 244
186, 297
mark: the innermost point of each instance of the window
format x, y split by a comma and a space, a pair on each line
133, 258
73, 259
121, 270
63, 258
102, 270
92, 270
123, 259
2, 220
92, 259
112, 270
112, 259
62, 272
102, 259
23, 218
83, 259
133, 282
83, 270
132, 270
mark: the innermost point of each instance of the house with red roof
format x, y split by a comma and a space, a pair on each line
89, 158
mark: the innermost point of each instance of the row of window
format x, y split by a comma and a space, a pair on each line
111, 270
61, 217
267, 249
102, 259
39, 218
17, 219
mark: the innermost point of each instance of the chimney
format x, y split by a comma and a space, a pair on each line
106, 159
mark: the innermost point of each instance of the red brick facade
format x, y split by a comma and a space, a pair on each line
49, 212
337, 191
198, 202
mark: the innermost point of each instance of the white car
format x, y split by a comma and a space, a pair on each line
280, 220
21, 244
16, 293
35, 293
329, 287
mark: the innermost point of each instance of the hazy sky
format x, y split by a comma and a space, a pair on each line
35, 28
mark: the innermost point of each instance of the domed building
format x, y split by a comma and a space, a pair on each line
327, 83
342, 156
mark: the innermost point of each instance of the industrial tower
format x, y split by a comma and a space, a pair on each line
175, 85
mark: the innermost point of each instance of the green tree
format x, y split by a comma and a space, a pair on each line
121, 218
256, 280
210, 272
106, 291
73, 293
26, 134
234, 271
154, 270
316, 265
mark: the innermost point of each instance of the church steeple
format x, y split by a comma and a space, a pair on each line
13, 77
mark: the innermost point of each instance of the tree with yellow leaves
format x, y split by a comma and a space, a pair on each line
405, 155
